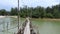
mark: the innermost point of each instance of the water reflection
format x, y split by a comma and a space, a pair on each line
7, 24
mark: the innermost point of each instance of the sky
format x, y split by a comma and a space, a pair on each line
8, 4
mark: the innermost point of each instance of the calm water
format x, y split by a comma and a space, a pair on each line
41, 26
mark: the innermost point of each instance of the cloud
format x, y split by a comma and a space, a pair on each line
43, 3
7, 4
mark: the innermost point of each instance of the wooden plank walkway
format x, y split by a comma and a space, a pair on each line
26, 28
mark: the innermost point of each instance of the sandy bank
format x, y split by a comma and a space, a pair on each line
2, 16
12, 16
8, 16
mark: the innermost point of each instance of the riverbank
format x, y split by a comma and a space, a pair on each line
8, 16
48, 19
2, 16
45, 19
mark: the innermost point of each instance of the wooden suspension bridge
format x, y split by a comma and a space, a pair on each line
26, 28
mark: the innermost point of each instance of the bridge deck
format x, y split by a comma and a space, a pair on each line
26, 28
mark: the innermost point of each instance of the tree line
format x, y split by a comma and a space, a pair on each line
34, 12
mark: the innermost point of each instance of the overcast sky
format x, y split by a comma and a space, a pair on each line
7, 4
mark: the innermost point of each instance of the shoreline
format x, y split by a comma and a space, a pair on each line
32, 18
2, 16
46, 19
8, 16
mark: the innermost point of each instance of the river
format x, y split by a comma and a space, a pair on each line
41, 26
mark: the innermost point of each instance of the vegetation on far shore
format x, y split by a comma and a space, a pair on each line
37, 12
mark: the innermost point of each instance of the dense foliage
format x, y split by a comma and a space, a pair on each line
37, 12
